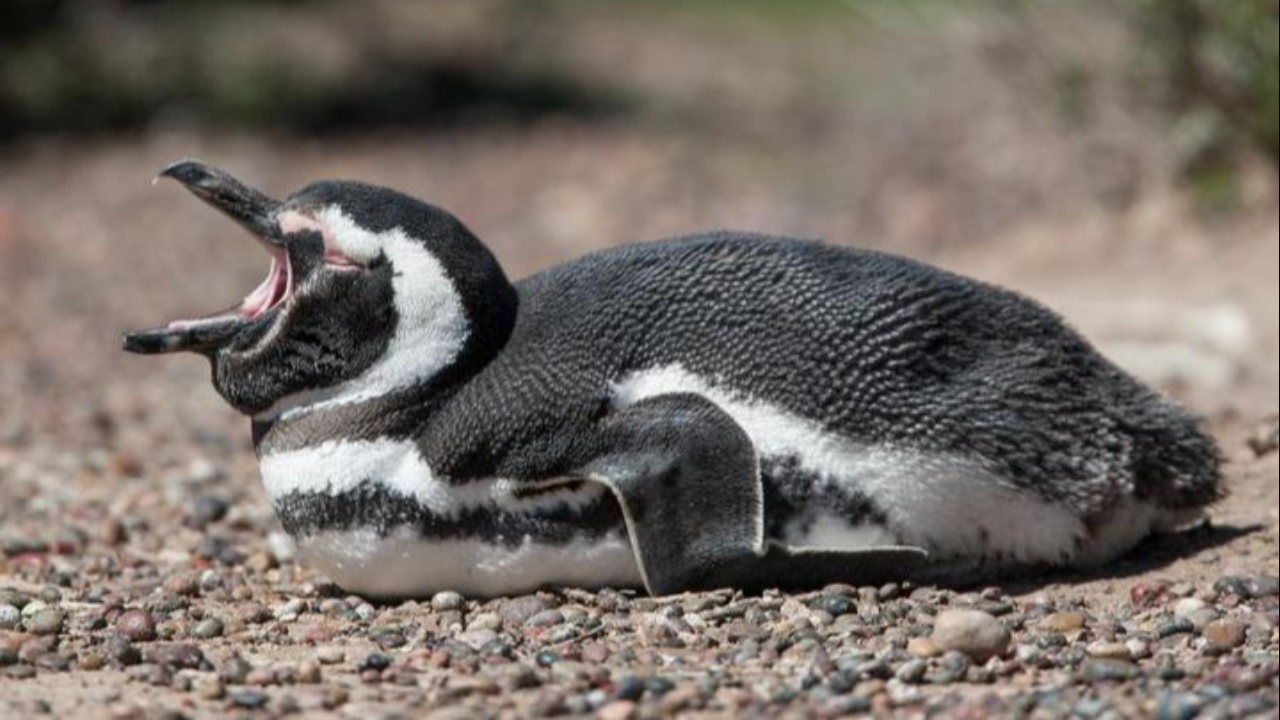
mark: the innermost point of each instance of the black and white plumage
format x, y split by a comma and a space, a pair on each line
724, 410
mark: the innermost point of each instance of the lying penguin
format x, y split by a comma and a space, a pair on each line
728, 410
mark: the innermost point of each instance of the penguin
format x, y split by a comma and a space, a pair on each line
728, 410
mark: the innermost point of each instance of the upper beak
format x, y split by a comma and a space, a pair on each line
253, 210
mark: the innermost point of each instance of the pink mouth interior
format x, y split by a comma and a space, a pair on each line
272, 293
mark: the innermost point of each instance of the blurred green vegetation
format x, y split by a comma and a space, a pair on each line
307, 65
1218, 66
323, 65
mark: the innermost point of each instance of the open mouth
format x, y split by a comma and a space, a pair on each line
257, 213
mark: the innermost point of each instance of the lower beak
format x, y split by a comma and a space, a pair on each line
199, 336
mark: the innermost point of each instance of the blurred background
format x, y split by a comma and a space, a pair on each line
1113, 158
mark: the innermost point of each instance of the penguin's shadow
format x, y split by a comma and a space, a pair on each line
1154, 554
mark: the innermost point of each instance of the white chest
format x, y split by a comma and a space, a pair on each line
402, 563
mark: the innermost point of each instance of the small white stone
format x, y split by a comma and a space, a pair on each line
33, 608
9, 617
487, 621
976, 634
448, 602
290, 611
1190, 606
282, 548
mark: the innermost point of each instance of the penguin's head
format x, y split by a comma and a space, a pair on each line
370, 292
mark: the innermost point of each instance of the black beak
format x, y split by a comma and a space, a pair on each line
253, 210
197, 336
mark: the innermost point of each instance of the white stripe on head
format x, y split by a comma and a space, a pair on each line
432, 326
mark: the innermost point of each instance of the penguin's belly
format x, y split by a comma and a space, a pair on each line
374, 518
827, 491
404, 564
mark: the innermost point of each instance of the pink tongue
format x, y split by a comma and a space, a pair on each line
261, 300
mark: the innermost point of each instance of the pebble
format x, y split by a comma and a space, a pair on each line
14, 599
19, 672
836, 605
186, 586
913, 672
1175, 627
10, 617
179, 656
45, 623
520, 610
487, 621
208, 629
1249, 588
235, 671
1100, 671
331, 656
388, 639
1225, 636
309, 673
1188, 607
923, 648
250, 699
208, 510
1064, 623
630, 689
281, 548
375, 662
136, 626
975, 634
8, 657
549, 618
448, 602
210, 688
1110, 651
122, 652
290, 611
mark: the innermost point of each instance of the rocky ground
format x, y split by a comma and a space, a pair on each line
142, 574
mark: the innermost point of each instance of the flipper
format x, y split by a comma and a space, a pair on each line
688, 479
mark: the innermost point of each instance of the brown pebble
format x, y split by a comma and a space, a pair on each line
309, 673
1111, 651
975, 634
1064, 623
1225, 636
923, 648
136, 626
183, 586
92, 661
210, 688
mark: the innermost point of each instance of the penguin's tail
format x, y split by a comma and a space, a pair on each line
1177, 465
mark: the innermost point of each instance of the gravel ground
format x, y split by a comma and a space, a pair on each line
142, 574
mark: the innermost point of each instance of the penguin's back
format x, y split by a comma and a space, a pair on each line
873, 351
